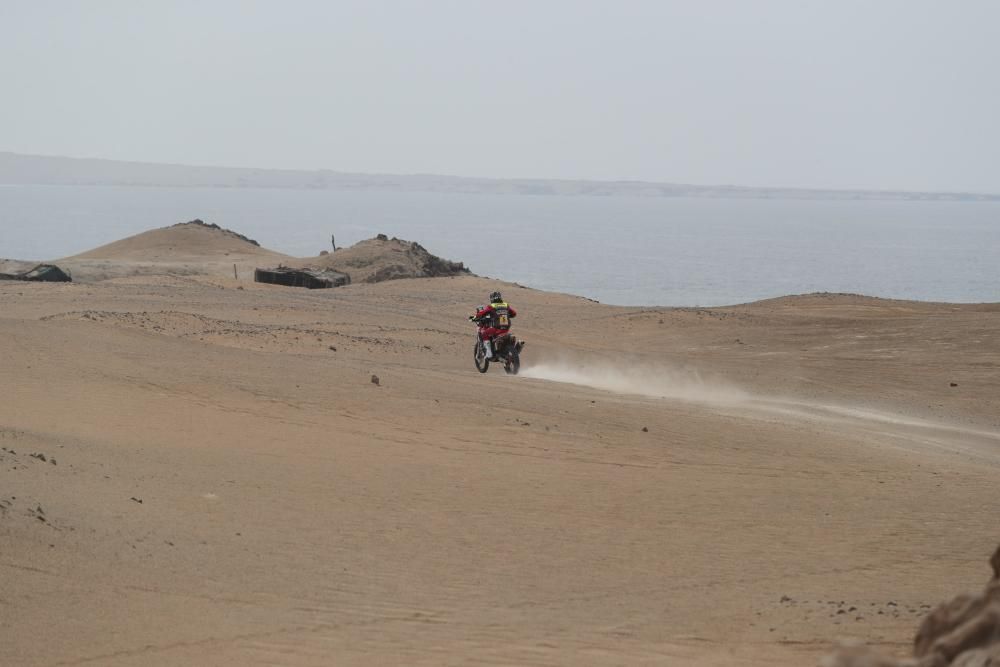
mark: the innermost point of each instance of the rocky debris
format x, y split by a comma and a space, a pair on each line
381, 258
212, 225
964, 632
375, 380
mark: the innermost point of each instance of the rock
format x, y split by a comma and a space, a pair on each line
860, 656
645, 430
953, 384
138, 500
964, 632
375, 380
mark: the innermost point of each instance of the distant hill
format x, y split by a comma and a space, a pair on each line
197, 248
18, 169
381, 258
184, 241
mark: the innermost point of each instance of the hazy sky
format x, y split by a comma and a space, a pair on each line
842, 94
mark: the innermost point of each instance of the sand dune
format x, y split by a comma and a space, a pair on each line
187, 248
186, 240
198, 469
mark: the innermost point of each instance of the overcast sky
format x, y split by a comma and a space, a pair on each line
836, 94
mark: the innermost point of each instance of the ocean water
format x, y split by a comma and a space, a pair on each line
619, 250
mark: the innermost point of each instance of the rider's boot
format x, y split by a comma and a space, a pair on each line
488, 346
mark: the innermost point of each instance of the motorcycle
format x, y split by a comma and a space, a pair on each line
506, 350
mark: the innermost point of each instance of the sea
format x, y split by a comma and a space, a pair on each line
636, 251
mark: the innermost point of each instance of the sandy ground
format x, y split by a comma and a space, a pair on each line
196, 470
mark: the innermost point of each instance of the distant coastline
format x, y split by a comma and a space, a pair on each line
20, 169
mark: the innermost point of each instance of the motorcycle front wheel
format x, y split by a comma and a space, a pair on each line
479, 356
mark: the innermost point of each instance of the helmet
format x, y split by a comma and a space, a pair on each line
496, 298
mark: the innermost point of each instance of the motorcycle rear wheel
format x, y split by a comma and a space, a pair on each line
512, 364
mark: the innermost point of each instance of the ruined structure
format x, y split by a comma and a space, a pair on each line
308, 278
43, 273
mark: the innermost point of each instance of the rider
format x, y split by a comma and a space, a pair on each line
493, 320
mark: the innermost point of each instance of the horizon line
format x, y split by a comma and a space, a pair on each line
522, 179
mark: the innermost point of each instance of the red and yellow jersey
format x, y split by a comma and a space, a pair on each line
497, 315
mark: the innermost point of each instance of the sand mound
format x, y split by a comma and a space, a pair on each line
195, 240
382, 258
964, 632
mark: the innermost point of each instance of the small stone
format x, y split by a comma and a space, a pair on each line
953, 384
333, 348
645, 430
375, 380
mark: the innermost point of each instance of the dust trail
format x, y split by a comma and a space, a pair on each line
643, 379
638, 379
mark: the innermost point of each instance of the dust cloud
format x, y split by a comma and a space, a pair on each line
638, 378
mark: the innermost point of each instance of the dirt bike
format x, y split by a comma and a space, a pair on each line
506, 350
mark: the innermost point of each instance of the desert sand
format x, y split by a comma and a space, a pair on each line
199, 470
